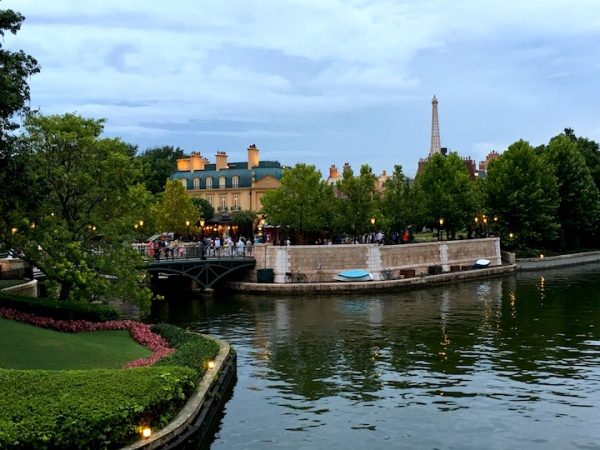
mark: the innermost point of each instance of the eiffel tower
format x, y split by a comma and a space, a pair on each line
435, 128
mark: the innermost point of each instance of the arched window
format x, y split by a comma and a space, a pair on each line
196, 183
184, 183
235, 182
222, 182
208, 183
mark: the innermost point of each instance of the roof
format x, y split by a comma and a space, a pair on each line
265, 169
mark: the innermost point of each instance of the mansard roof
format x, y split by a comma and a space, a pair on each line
239, 169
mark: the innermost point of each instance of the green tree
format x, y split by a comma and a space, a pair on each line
15, 70
358, 202
245, 222
205, 209
444, 190
521, 190
176, 211
86, 203
159, 163
579, 207
396, 202
303, 202
590, 151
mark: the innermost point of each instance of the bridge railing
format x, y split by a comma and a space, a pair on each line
185, 252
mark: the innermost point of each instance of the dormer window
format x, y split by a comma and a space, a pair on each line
222, 182
184, 183
208, 183
196, 183
235, 182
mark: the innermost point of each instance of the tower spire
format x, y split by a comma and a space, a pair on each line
435, 128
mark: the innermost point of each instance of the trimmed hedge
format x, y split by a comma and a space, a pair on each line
191, 349
61, 310
99, 408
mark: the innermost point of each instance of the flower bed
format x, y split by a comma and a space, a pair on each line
140, 332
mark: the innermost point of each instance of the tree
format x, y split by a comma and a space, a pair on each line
15, 70
359, 201
444, 191
176, 211
159, 163
303, 202
205, 209
86, 202
396, 206
590, 151
579, 207
521, 190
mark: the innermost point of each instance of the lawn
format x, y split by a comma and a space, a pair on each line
9, 283
29, 347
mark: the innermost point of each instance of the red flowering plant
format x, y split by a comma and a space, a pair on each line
140, 332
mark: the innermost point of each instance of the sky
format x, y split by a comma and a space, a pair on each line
318, 81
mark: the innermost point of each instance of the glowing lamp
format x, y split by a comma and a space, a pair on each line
211, 364
146, 432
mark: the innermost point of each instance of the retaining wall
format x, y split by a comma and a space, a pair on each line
548, 262
320, 263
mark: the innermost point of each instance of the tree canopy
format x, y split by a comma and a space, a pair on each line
158, 165
85, 202
176, 211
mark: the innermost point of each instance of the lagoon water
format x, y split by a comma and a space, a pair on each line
502, 363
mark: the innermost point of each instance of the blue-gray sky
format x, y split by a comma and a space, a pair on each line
319, 81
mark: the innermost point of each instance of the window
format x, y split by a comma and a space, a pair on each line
196, 183
208, 183
222, 182
235, 182
209, 199
184, 183
223, 203
236, 202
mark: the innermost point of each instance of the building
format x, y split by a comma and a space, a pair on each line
335, 176
228, 186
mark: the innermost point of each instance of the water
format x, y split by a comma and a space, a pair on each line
503, 363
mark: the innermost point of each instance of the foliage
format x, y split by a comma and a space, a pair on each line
521, 190
590, 151
303, 202
98, 408
579, 208
396, 207
176, 209
79, 211
158, 165
58, 309
192, 350
205, 209
444, 190
358, 203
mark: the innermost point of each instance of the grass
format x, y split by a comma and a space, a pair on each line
8, 283
28, 347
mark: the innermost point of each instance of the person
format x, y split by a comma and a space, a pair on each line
288, 242
405, 236
240, 247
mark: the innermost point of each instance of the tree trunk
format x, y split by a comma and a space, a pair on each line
65, 290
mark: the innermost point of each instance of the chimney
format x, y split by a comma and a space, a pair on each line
347, 167
252, 156
183, 164
221, 160
333, 172
196, 161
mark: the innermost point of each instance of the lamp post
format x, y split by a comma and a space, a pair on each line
485, 228
440, 232
202, 254
373, 227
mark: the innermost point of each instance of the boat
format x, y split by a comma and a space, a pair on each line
354, 275
481, 263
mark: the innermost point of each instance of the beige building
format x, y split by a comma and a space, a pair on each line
228, 186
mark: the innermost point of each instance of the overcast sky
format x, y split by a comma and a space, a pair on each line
319, 81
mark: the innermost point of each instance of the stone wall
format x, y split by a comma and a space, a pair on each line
320, 263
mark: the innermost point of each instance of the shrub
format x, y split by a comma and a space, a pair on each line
191, 349
61, 310
97, 408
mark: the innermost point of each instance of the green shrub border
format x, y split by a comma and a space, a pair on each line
61, 310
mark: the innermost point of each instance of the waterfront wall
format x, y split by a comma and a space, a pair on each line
320, 263
27, 288
549, 262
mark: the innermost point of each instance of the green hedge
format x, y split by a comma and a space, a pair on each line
100, 408
192, 350
61, 310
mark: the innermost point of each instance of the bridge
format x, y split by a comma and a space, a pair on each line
207, 268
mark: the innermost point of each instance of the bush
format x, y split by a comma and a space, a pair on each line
97, 408
61, 310
191, 349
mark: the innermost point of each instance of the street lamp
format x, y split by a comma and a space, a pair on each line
440, 233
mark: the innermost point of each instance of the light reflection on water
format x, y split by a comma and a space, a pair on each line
509, 362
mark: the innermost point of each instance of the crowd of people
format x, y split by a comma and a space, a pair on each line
171, 248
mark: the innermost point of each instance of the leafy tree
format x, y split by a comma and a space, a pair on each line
590, 151
303, 202
245, 221
176, 211
15, 70
445, 190
521, 190
205, 209
396, 203
159, 163
358, 202
86, 202
579, 208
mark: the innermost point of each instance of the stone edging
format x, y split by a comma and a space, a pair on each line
191, 410
366, 286
552, 262
28, 286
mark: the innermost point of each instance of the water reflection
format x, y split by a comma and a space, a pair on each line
506, 362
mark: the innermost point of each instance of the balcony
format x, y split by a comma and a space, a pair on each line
236, 208
222, 208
